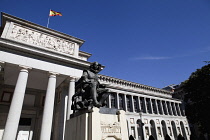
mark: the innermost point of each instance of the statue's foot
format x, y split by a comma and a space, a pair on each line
97, 104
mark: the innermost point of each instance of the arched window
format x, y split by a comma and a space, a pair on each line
153, 129
164, 128
174, 130
183, 130
140, 129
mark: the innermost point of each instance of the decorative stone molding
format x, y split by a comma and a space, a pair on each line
30, 36
133, 85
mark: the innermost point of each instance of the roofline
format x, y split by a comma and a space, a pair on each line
6, 17
137, 85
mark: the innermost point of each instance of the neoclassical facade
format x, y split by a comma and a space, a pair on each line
38, 70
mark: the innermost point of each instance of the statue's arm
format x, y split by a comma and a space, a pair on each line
85, 77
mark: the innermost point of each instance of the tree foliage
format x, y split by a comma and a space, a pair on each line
197, 89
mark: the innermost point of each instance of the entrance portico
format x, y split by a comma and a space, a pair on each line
32, 69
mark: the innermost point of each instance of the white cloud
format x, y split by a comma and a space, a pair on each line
152, 58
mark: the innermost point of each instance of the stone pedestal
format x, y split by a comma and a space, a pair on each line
93, 125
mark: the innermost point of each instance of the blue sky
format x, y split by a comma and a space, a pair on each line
152, 42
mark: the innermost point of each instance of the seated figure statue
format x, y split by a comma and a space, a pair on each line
88, 91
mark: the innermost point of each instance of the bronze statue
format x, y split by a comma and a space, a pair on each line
88, 91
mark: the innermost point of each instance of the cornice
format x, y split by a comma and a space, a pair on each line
41, 53
81, 53
130, 84
6, 17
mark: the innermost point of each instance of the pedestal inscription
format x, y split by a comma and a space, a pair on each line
97, 126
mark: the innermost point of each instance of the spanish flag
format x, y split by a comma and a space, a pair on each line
54, 13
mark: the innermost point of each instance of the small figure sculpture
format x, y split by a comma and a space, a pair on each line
88, 91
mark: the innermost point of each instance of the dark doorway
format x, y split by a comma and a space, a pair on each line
140, 125
153, 130
164, 128
180, 137
131, 137
167, 137
151, 137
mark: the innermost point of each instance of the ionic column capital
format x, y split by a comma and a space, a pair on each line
2, 63
52, 74
72, 78
24, 68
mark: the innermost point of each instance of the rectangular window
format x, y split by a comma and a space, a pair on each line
6, 97
164, 107
169, 108
154, 106
121, 105
159, 132
169, 130
135, 103
142, 105
128, 100
133, 132
173, 109
113, 101
181, 109
149, 110
159, 107
177, 109
188, 133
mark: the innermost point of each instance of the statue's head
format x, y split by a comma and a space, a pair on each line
95, 67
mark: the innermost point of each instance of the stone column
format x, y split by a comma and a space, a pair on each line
166, 108
161, 105
14, 114
174, 106
71, 93
145, 104
178, 106
1, 74
48, 108
125, 102
132, 105
152, 111
109, 101
138, 102
171, 108
157, 109
117, 100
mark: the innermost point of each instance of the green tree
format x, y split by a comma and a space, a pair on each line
197, 98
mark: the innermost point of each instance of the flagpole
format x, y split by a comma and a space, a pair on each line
48, 21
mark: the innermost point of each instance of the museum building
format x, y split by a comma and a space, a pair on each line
38, 70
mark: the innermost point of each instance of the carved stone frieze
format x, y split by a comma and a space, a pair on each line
33, 37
